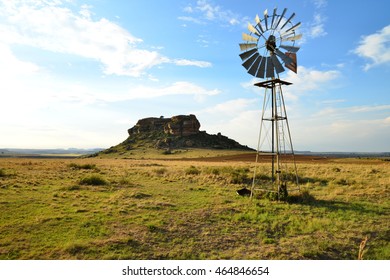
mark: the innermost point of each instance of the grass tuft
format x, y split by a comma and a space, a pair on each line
192, 170
2, 173
304, 197
93, 180
87, 166
160, 171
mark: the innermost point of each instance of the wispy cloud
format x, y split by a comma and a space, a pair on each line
320, 3
81, 95
236, 118
177, 88
186, 62
310, 79
330, 111
205, 11
316, 27
53, 27
231, 107
375, 48
10, 65
307, 81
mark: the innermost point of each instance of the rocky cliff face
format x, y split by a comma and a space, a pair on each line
177, 132
182, 125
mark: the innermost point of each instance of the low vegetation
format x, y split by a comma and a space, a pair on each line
184, 209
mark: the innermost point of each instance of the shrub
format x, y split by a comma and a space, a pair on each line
152, 228
192, 170
342, 182
71, 188
215, 171
303, 197
94, 180
87, 166
160, 171
240, 176
2, 173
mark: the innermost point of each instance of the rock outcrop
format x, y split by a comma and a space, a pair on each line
181, 125
177, 132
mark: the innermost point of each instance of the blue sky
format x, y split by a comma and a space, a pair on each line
76, 73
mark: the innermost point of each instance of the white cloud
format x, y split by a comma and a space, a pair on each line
343, 135
237, 119
345, 129
333, 101
191, 19
79, 94
231, 107
205, 11
375, 48
10, 65
320, 3
52, 27
347, 111
317, 27
177, 88
186, 62
307, 80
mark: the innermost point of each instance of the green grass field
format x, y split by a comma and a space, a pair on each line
98, 208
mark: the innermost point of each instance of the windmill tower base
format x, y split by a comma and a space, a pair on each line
278, 158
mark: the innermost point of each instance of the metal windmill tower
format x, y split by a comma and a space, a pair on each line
273, 37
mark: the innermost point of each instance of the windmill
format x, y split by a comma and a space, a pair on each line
268, 49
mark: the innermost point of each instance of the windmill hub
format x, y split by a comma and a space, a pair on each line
271, 44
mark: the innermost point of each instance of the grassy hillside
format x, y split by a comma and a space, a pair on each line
172, 209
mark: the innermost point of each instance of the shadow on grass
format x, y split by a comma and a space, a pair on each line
305, 198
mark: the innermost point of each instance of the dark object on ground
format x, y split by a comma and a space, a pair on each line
244, 192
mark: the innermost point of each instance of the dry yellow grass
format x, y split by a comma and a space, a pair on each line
184, 209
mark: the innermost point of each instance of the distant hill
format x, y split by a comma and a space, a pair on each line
170, 134
46, 153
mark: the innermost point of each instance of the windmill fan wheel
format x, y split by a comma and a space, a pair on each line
270, 45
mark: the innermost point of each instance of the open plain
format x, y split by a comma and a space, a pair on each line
186, 207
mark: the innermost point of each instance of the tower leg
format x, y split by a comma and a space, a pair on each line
281, 150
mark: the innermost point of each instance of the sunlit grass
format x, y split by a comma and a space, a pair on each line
168, 209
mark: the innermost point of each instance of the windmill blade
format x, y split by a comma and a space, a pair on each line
260, 72
285, 58
287, 21
255, 66
278, 66
253, 30
273, 18
270, 68
250, 61
245, 46
247, 37
281, 17
258, 21
290, 48
247, 54
296, 26
266, 19
293, 38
